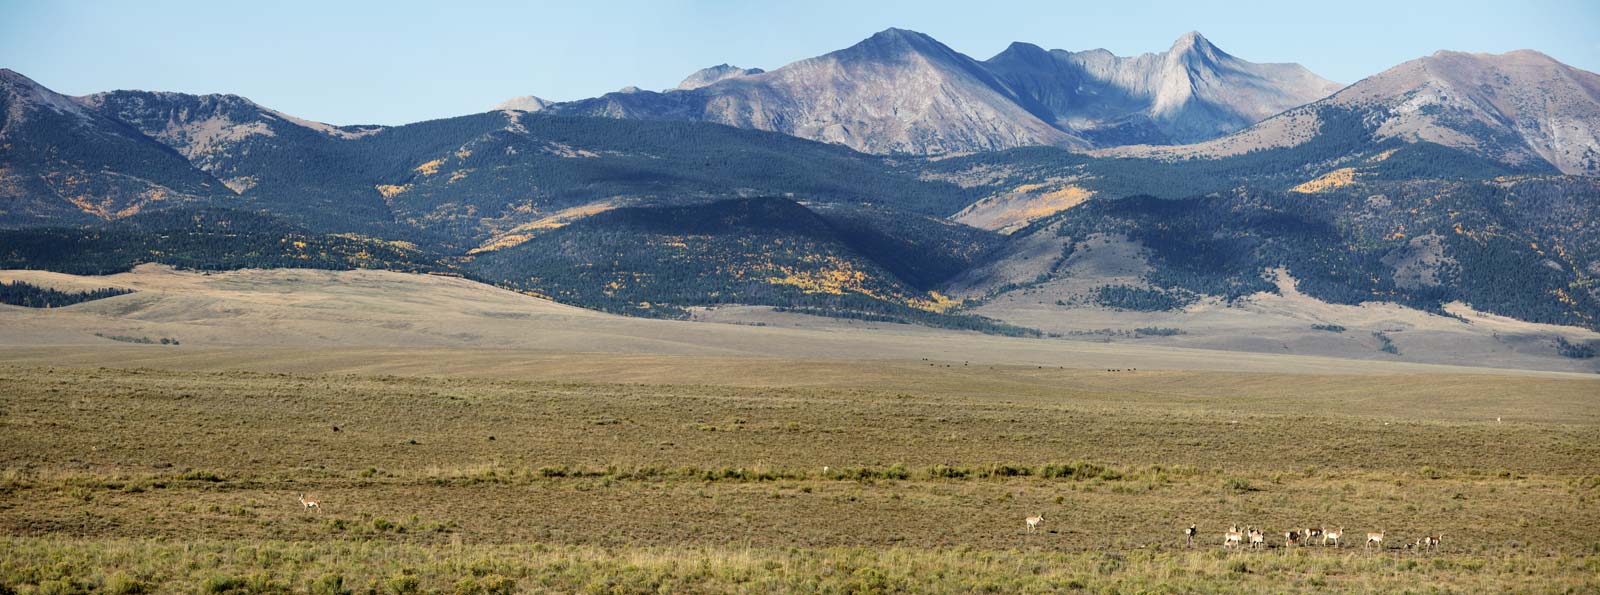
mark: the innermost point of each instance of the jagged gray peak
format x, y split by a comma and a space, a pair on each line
1193, 91
720, 72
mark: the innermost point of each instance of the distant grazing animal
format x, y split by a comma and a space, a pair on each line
1431, 542
1291, 538
1312, 534
1374, 538
310, 504
1257, 539
1233, 537
1333, 536
1189, 534
1033, 522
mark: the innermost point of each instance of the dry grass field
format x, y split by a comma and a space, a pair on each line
463, 441
913, 478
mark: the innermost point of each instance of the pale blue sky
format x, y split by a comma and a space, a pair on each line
400, 61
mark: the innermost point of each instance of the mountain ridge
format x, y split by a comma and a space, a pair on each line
901, 91
63, 161
1518, 107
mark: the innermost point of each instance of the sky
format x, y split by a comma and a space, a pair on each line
354, 62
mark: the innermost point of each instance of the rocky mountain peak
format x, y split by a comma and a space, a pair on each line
1192, 41
893, 42
903, 91
22, 94
715, 74
525, 103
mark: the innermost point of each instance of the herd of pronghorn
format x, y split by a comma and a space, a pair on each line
1257, 539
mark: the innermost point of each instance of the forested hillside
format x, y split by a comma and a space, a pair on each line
1528, 248
653, 261
203, 239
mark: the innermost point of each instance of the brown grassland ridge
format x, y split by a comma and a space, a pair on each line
752, 475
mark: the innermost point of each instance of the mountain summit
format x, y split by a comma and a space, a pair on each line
63, 161
714, 74
1519, 108
900, 91
1193, 91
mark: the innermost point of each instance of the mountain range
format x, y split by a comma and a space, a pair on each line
896, 179
901, 91
1520, 108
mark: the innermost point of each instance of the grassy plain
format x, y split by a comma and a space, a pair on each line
466, 439
643, 474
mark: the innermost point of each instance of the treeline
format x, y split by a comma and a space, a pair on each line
1124, 297
207, 239
962, 322
20, 293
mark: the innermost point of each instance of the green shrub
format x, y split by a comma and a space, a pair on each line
330, 584
122, 584
62, 586
404, 584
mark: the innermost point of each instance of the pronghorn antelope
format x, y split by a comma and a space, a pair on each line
1333, 536
1312, 535
1033, 522
310, 504
1233, 537
1189, 534
1431, 542
1374, 538
1291, 538
1257, 538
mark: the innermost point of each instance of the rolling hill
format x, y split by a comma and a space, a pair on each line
654, 261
